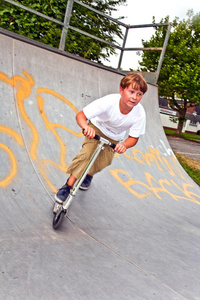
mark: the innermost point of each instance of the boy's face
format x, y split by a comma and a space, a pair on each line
130, 97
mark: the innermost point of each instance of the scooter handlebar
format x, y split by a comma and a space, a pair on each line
112, 145
97, 137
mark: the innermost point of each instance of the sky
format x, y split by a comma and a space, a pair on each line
142, 12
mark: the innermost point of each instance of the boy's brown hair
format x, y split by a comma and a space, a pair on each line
138, 82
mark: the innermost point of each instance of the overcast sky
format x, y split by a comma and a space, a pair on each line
142, 12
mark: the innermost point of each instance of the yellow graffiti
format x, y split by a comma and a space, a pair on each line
52, 126
23, 90
154, 156
153, 186
127, 184
43, 164
13, 170
7, 130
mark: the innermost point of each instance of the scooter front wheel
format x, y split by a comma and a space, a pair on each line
58, 218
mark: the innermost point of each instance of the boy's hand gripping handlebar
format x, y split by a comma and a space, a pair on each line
99, 138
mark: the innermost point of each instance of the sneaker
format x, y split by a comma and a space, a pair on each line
62, 193
86, 182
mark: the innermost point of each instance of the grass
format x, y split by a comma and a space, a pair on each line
188, 136
191, 166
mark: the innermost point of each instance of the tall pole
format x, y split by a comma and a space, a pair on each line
66, 24
163, 53
122, 49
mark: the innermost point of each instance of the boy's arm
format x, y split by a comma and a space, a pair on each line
82, 122
128, 143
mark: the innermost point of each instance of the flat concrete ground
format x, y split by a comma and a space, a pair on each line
185, 147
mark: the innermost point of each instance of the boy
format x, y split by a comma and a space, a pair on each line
109, 117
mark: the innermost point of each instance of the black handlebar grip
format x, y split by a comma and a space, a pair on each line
112, 145
97, 137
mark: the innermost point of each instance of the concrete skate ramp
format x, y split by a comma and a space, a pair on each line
135, 234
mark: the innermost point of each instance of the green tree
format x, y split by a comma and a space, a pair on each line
180, 74
38, 28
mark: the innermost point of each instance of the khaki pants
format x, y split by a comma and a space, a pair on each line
80, 161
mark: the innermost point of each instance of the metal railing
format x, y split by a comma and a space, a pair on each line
66, 26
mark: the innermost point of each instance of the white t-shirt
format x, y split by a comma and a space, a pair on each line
105, 114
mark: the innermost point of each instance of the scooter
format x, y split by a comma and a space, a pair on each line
60, 210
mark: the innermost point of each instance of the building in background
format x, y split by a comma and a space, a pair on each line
169, 116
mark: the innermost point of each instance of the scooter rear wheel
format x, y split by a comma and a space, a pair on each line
58, 218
